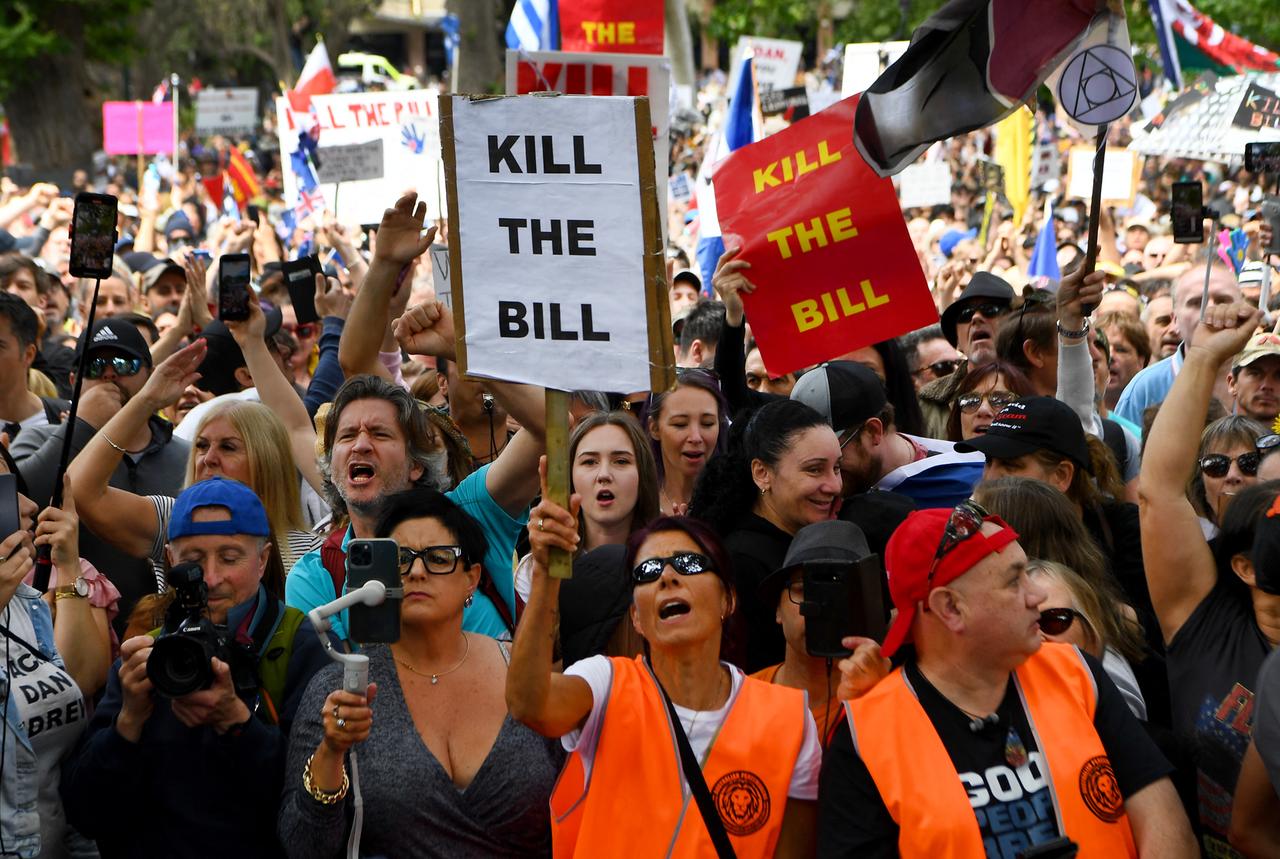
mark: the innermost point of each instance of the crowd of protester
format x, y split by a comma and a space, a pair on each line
1067, 489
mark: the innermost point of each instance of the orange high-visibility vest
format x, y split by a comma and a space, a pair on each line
904, 754
633, 803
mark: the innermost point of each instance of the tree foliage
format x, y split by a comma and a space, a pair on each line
94, 30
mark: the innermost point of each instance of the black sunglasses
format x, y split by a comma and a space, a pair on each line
939, 368
96, 367
1056, 621
437, 560
684, 563
1218, 464
964, 521
990, 310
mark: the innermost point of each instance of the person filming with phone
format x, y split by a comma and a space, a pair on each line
194, 721
1048, 759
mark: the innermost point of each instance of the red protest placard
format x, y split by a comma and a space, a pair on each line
830, 256
621, 26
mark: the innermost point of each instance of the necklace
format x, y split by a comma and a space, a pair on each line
1015, 751
435, 678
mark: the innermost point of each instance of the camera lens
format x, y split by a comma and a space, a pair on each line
361, 556
179, 664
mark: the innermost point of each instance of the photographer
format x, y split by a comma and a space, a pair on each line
205, 767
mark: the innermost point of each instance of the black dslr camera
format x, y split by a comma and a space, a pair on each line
180, 660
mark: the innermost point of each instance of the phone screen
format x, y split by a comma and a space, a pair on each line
93, 235
1262, 157
300, 279
9, 519
1188, 213
233, 287
367, 560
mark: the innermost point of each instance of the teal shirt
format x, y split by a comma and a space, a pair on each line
309, 585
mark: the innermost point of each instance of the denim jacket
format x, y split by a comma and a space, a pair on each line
19, 815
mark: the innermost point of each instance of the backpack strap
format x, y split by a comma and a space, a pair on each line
273, 667
489, 588
334, 559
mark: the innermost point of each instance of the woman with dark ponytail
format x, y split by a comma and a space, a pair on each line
780, 473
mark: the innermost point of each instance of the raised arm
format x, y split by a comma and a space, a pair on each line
1075, 366
102, 507
550, 703
1181, 573
193, 312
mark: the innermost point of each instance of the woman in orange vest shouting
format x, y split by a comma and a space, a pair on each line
676, 753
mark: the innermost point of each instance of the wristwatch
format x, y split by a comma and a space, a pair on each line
79, 588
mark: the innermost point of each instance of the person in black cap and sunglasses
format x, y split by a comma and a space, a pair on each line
971, 322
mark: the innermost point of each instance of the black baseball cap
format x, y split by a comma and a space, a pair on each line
832, 542
1031, 424
844, 392
983, 285
118, 334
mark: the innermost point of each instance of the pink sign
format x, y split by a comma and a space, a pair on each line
137, 127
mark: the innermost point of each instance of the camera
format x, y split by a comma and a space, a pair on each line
180, 660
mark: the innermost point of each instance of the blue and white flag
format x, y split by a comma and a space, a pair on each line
1044, 266
534, 26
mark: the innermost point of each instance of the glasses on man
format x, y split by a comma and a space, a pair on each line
1056, 621
1218, 464
997, 400
436, 560
965, 521
989, 309
96, 368
684, 563
939, 368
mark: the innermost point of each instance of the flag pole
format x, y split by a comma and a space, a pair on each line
1095, 205
138, 123
173, 89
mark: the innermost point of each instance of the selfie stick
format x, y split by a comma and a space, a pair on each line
44, 555
1208, 264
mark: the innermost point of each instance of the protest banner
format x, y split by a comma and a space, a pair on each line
830, 256
926, 184
777, 61
620, 26
406, 124
136, 128
229, 110
354, 162
793, 99
1120, 175
864, 61
1260, 108
440, 274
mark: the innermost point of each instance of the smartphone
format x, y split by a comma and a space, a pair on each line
368, 560
251, 211
1271, 211
1262, 157
203, 255
1188, 213
93, 235
370, 235
233, 287
842, 600
300, 278
10, 521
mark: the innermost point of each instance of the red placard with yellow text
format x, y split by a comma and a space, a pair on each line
831, 259
619, 26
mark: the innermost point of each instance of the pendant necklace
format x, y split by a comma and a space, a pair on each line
435, 678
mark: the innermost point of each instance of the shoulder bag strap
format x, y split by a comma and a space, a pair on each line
698, 784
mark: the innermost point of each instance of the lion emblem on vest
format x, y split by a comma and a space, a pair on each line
742, 800
1100, 789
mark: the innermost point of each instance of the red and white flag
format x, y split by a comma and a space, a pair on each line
316, 79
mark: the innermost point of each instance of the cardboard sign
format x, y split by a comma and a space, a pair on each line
440, 274
833, 264
620, 26
136, 128
780, 100
1120, 175
864, 61
1260, 108
233, 110
927, 184
556, 266
406, 124
777, 61
354, 162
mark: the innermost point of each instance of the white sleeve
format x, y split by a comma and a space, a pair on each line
598, 672
804, 778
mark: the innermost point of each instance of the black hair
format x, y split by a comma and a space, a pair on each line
703, 323
900, 388
424, 503
725, 491
22, 319
1237, 530
910, 343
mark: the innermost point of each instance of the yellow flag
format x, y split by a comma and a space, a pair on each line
1015, 142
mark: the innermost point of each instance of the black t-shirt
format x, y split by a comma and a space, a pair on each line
1213, 669
1014, 806
756, 548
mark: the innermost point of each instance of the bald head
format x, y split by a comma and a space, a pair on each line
1189, 289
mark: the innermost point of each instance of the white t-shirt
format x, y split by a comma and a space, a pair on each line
700, 726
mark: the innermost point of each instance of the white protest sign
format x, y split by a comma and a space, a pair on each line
777, 61
927, 184
405, 122
1119, 175
353, 162
232, 110
549, 240
864, 61
440, 274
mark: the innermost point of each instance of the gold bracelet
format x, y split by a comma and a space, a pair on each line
324, 797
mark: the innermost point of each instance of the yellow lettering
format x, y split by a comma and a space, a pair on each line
802, 164
786, 169
825, 157
840, 223
807, 315
780, 236
765, 177
846, 306
811, 236
608, 33
830, 306
589, 31
870, 296
626, 32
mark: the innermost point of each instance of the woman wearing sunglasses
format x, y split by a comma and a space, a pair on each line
1226, 464
1218, 626
753, 746
443, 769
980, 396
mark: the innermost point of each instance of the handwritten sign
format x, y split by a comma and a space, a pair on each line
826, 241
136, 128
229, 110
440, 274
776, 62
354, 162
1260, 108
620, 26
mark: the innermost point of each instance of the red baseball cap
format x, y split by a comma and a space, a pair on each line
909, 557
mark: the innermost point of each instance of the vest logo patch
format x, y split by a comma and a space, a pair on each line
1100, 790
742, 800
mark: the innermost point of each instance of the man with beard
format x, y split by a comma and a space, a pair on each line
119, 363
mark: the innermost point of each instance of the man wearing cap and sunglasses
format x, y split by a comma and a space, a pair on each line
1046, 753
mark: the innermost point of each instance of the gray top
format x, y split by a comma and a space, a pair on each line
411, 806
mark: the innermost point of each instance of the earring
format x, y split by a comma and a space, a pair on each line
466, 603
